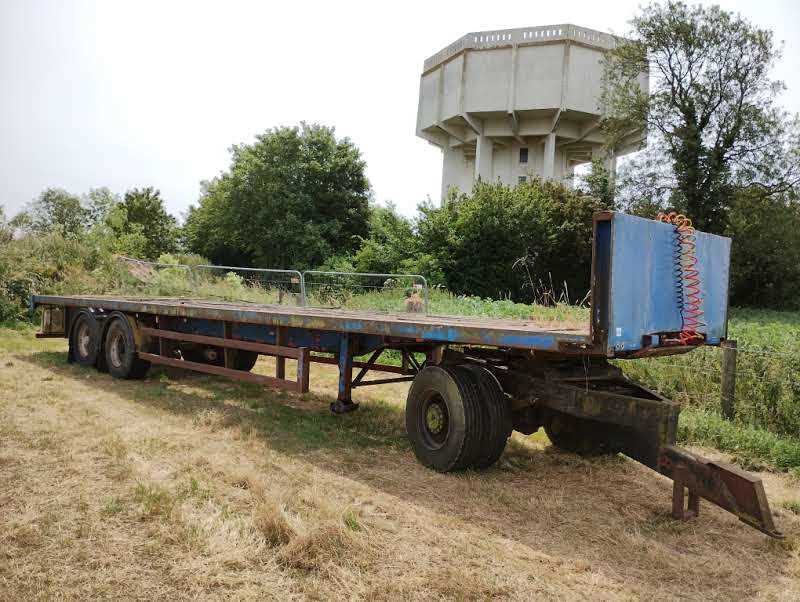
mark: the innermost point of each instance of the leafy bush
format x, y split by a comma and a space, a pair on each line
49, 262
765, 256
512, 242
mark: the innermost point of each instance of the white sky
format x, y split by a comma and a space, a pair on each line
142, 93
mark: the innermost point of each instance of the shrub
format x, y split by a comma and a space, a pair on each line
512, 242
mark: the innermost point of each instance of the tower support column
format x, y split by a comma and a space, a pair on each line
483, 158
549, 158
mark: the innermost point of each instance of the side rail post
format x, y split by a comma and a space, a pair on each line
728, 386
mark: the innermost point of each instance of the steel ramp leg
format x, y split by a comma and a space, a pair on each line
679, 511
728, 487
344, 403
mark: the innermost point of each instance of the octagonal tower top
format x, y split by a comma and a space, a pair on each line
513, 103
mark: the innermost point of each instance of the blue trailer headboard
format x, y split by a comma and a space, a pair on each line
635, 302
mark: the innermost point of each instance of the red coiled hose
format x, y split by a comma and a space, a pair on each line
687, 278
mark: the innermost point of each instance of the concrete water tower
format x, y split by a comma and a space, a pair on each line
510, 104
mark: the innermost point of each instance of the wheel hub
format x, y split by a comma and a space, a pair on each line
435, 422
434, 419
83, 340
117, 350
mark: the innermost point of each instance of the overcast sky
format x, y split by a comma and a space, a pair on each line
140, 93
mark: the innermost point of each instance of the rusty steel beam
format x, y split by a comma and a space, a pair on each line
383, 381
642, 424
303, 370
359, 364
730, 488
300, 386
292, 352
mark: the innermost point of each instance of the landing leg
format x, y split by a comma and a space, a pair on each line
343, 402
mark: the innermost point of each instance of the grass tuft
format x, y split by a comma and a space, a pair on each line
115, 448
112, 506
324, 546
272, 522
350, 520
155, 501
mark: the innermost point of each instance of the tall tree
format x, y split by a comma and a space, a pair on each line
710, 107
293, 198
391, 244
142, 212
6, 231
56, 209
98, 203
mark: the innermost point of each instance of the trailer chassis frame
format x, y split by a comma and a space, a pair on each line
629, 418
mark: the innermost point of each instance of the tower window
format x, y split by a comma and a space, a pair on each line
521, 179
523, 154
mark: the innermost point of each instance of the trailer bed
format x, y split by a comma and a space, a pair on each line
521, 334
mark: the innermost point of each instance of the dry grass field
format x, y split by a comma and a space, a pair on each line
186, 486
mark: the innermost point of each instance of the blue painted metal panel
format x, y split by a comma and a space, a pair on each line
316, 340
305, 319
644, 297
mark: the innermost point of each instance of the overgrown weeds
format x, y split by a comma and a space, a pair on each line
704, 427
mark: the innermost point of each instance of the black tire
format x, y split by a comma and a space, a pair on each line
497, 417
84, 340
203, 354
441, 419
242, 360
476, 436
579, 435
120, 351
245, 360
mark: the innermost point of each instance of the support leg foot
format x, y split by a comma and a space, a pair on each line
343, 407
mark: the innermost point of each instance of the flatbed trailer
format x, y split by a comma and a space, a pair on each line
481, 378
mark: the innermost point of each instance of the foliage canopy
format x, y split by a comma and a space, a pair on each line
709, 112
293, 198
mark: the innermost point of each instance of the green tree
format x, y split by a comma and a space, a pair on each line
710, 109
599, 183
6, 231
56, 209
293, 198
392, 244
765, 255
99, 202
141, 216
525, 242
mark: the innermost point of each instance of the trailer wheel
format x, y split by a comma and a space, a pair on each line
120, 351
242, 360
203, 354
441, 419
84, 340
477, 434
579, 435
497, 421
